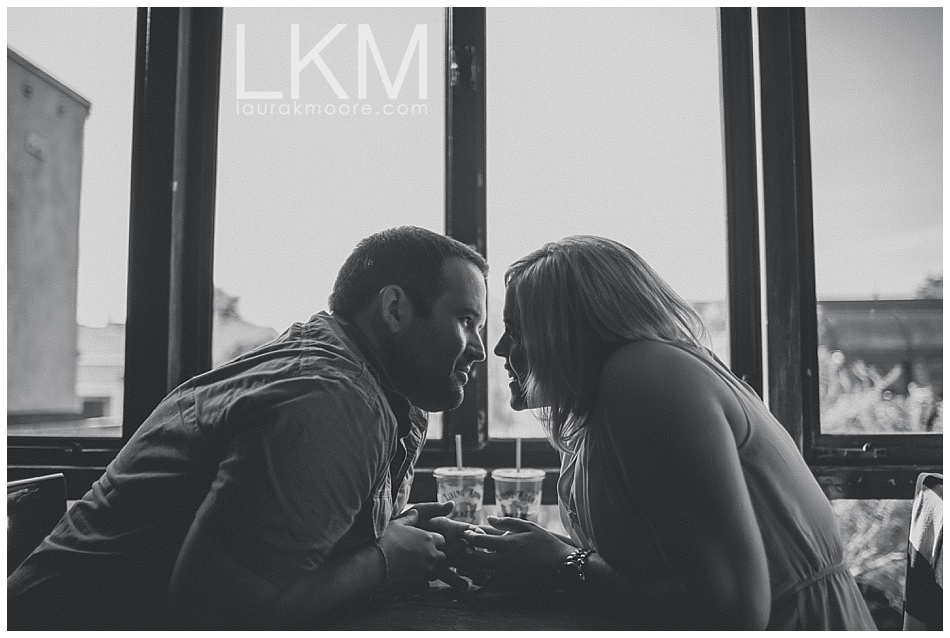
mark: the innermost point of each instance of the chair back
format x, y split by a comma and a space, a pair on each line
923, 586
34, 506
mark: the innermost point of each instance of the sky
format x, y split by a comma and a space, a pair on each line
600, 121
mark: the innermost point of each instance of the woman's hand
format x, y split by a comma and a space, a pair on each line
514, 553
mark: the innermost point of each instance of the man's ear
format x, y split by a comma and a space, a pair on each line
395, 307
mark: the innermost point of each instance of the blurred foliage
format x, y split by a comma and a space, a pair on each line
232, 334
225, 305
858, 398
932, 288
875, 537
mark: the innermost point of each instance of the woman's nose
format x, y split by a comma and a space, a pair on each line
501, 348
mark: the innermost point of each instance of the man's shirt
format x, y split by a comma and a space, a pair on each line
290, 447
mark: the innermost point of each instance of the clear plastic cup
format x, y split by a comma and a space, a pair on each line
464, 486
518, 492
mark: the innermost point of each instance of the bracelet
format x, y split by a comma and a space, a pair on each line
570, 575
385, 564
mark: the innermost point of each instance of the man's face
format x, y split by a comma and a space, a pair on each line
433, 357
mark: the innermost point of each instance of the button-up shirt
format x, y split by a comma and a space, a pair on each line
295, 449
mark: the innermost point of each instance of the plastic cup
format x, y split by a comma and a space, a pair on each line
518, 492
464, 486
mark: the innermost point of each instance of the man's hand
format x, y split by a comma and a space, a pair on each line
414, 556
433, 517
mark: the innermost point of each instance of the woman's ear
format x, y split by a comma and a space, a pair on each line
395, 307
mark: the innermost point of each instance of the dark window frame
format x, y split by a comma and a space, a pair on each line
171, 224
168, 330
847, 466
466, 220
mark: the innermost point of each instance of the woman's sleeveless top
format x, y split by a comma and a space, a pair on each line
811, 585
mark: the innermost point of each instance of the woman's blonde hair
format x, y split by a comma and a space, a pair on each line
577, 301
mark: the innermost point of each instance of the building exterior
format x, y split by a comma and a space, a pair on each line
101, 364
100, 378
45, 127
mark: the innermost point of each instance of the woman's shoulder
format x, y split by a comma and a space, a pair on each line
663, 384
653, 365
664, 395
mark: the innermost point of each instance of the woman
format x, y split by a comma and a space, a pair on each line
688, 503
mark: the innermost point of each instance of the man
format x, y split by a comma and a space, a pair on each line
262, 493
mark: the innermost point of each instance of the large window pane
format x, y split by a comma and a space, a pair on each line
605, 122
70, 80
876, 111
305, 172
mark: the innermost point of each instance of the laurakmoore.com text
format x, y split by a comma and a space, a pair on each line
297, 108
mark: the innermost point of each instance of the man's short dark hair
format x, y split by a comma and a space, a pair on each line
407, 256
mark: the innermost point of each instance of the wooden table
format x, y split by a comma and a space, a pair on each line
477, 609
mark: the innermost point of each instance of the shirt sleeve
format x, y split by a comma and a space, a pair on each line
294, 478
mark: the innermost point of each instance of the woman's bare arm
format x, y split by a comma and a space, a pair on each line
667, 421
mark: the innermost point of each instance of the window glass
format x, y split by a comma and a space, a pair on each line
875, 537
876, 114
605, 122
70, 89
315, 156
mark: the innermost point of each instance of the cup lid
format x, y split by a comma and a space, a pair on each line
461, 472
514, 474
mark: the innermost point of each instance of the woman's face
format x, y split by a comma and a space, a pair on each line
511, 348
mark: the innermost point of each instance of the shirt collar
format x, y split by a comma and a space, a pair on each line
365, 350
408, 416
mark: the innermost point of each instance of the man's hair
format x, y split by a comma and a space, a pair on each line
577, 300
408, 257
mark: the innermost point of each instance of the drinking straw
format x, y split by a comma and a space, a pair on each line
518, 453
458, 451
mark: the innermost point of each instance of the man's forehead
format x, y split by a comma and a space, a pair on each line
463, 283
461, 272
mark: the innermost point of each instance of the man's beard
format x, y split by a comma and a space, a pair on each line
418, 383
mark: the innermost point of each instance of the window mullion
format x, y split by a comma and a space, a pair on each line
789, 251
150, 221
807, 295
742, 213
465, 187
193, 204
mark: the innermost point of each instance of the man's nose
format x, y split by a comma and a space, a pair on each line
477, 347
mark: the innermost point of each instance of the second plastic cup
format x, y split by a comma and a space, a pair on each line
518, 492
465, 486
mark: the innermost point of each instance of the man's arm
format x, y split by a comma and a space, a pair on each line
259, 551
212, 590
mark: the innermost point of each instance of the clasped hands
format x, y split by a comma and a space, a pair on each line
422, 544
